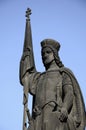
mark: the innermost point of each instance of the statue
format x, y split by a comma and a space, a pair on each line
57, 100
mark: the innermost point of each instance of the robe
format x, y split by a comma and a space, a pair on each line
51, 91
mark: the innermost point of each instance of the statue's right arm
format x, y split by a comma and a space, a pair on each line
28, 73
30, 80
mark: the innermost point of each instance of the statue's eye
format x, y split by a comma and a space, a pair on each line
48, 51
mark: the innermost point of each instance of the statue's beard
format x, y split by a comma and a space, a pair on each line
47, 62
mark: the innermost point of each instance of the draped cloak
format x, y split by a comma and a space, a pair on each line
75, 116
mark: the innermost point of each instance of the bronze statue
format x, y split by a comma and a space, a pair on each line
57, 100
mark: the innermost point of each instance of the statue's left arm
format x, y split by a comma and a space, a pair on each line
67, 92
67, 96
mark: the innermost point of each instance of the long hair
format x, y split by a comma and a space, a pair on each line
57, 58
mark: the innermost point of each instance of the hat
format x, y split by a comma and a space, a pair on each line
50, 43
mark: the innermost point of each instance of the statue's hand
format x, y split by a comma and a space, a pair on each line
76, 122
63, 114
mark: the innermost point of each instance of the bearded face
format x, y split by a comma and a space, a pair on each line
47, 55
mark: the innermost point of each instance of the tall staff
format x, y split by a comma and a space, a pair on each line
26, 63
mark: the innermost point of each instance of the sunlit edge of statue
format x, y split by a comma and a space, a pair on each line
27, 66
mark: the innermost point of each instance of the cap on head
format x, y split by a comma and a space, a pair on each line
50, 43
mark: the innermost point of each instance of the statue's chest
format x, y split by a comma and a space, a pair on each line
48, 81
46, 89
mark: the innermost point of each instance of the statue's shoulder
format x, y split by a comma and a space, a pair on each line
80, 108
65, 70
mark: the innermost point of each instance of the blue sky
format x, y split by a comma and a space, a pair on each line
64, 21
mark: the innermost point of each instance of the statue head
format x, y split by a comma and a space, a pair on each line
49, 51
